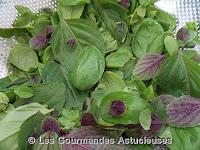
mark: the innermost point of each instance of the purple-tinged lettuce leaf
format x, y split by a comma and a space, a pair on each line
38, 42
91, 133
149, 66
88, 120
117, 108
182, 34
51, 124
185, 112
125, 3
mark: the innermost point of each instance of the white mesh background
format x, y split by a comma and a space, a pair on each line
184, 10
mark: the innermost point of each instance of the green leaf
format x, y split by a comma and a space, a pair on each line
10, 32
148, 38
53, 145
148, 93
180, 76
117, 59
23, 92
185, 138
171, 45
3, 101
134, 106
166, 20
30, 126
23, 58
52, 94
25, 18
83, 32
141, 11
53, 72
70, 119
88, 69
145, 119
71, 12
10, 124
72, 2
111, 43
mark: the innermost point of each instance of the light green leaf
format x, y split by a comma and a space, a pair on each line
69, 119
171, 45
180, 76
23, 92
111, 43
23, 58
53, 72
10, 124
31, 124
3, 101
185, 138
50, 146
71, 12
72, 2
117, 59
145, 119
148, 38
83, 32
52, 94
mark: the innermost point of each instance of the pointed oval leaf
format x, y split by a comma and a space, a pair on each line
184, 113
149, 66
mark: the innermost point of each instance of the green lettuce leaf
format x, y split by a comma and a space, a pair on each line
11, 123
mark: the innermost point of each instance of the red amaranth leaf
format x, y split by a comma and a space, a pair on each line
149, 66
90, 132
185, 112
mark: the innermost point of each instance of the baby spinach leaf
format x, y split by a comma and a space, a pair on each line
88, 69
23, 92
52, 94
53, 72
171, 45
23, 57
10, 124
148, 38
118, 59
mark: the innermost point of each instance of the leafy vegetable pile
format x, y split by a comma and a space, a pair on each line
101, 68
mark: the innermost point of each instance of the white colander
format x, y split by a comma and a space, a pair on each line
184, 10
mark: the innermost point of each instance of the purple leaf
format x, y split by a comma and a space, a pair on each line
149, 66
185, 112
125, 3
48, 31
90, 133
88, 120
182, 34
51, 124
38, 42
71, 42
117, 108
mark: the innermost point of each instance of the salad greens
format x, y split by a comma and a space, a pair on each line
100, 69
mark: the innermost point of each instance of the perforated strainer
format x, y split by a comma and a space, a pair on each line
184, 10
